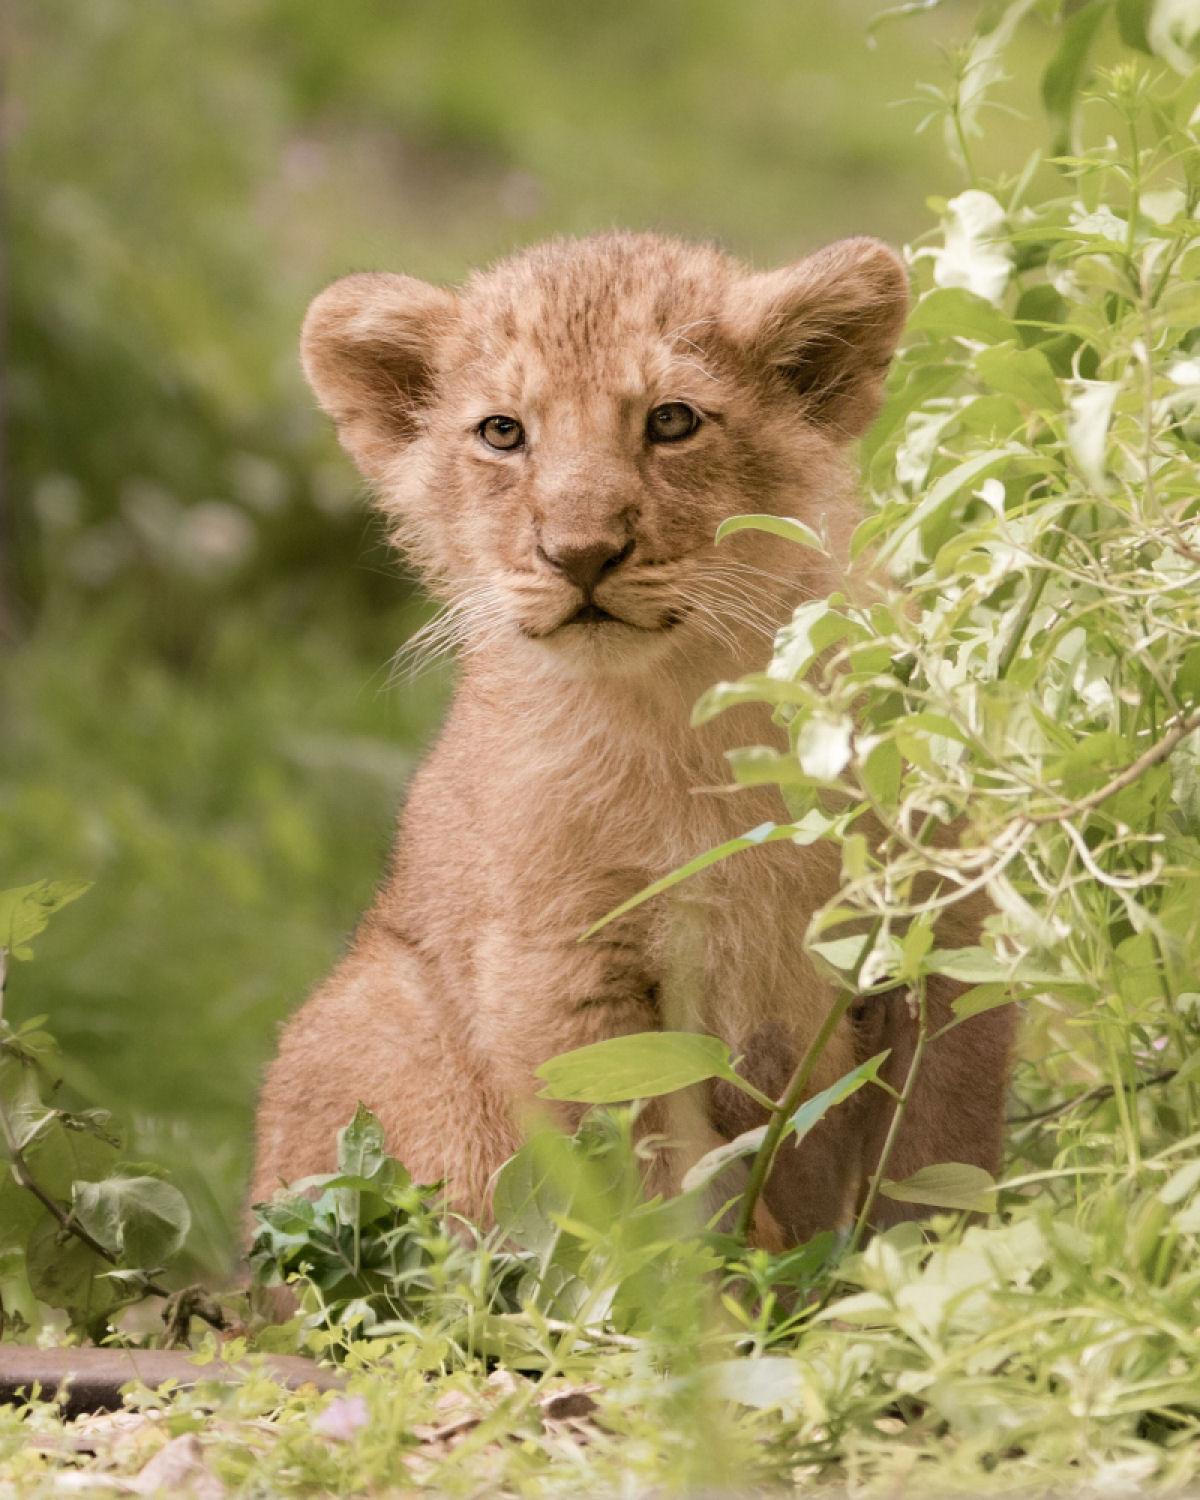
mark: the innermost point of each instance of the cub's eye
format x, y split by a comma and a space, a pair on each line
669, 423
502, 432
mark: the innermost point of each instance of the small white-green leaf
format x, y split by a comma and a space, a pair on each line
813, 1110
765, 833
823, 747
639, 1066
715, 1161
948, 1184
1181, 1183
842, 954
978, 966
785, 526
1091, 406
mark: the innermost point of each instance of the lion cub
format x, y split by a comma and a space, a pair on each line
555, 445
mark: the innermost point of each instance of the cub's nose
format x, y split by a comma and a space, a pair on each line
584, 565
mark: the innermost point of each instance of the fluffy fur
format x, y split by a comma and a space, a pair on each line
567, 776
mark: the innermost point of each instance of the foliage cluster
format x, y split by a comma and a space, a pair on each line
81, 1230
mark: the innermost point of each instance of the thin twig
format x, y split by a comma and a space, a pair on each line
862, 1222
1090, 1096
1151, 757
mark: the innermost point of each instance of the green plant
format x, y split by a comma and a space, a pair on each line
81, 1230
1023, 673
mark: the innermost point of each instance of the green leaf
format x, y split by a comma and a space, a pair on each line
1022, 373
1065, 72
949, 1184
25, 911
813, 1110
142, 1220
1181, 1184
957, 313
843, 954
642, 1065
20, 1211
65, 1273
533, 1189
765, 833
785, 526
715, 1161
981, 997
21, 1092
754, 688
978, 966
882, 772
927, 517
67, 1147
362, 1149
921, 385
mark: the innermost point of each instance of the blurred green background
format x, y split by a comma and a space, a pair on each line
198, 615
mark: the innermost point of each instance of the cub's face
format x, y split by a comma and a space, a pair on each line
557, 443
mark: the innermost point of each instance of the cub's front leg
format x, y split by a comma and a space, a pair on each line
536, 996
540, 998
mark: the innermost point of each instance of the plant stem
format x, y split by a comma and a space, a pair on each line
66, 1220
1097, 1095
764, 1157
1025, 613
70, 1225
864, 1214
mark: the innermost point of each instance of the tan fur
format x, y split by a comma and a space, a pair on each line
567, 776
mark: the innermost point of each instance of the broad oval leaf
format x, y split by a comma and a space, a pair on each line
958, 313
947, 1184
361, 1146
1023, 373
642, 1065
143, 1220
64, 1272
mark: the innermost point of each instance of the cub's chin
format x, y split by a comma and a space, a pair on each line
594, 643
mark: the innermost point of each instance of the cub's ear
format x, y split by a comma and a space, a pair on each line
367, 346
828, 325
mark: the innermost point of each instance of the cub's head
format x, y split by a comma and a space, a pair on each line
557, 442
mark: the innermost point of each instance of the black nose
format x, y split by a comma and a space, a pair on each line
585, 565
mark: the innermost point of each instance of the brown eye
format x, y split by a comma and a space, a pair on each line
669, 423
502, 432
